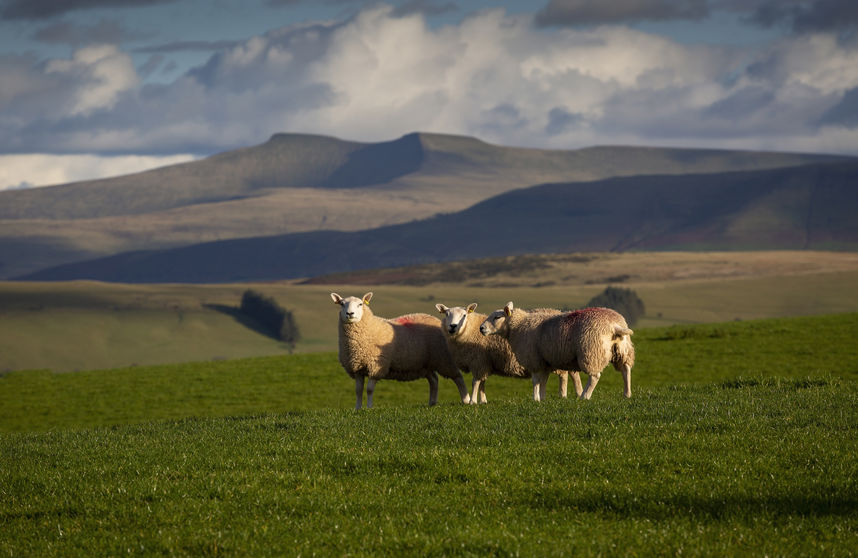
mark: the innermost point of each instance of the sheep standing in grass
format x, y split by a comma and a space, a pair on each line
405, 348
481, 355
585, 340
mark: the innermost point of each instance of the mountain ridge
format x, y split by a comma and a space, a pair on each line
296, 183
807, 207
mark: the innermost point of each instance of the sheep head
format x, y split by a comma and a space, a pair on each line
351, 308
497, 323
455, 318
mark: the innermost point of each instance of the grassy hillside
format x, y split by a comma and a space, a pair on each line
750, 452
298, 183
84, 325
811, 207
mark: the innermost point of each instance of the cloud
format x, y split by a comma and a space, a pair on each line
39, 169
799, 16
424, 7
105, 31
805, 16
184, 46
37, 96
844, 113
376, 76
44, 9
99, 74
589, 12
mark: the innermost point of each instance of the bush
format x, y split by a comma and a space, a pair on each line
624, 301
276, 320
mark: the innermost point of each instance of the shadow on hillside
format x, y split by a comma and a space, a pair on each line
243, 319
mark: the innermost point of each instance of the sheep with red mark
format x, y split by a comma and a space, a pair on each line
584, 340
481, 355
406, 348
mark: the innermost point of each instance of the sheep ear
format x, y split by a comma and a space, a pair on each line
507, 310
366, 298
336, 298
441, 308
472, 307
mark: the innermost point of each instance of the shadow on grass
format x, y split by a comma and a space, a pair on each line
715, 507
243, 319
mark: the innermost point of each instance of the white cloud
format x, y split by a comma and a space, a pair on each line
98, 74
39, 169
377, 76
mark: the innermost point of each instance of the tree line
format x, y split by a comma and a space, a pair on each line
276, 320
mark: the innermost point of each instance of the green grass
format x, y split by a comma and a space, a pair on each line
740, 439
819, 346
89, 325
762, 469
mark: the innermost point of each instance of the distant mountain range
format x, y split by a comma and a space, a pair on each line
303, 193
804, 206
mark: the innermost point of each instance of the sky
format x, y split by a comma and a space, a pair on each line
95, 88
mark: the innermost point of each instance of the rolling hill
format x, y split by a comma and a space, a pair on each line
806, 207
297, 183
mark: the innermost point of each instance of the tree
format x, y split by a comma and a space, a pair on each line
273, 318
624, 301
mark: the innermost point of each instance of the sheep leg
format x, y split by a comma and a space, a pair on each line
463, 391
433, 388
358, 392
627, 380
539, 380
564, 382
370, 389
591, 384
476, 384
483, 392
576, 379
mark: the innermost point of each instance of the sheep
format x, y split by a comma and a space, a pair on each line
585, 340
404, 348
481, 355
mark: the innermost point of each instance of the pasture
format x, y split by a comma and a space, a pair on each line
88, 325
739, 439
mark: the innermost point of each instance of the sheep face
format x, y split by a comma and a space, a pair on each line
351, 308
455, 318
497, 323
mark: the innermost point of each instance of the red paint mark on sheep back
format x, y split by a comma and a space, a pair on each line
403, 321
575, 314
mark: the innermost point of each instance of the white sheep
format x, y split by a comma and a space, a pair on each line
405, 348
481, 355
585, 340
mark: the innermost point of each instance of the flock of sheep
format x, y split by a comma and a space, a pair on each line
508, 342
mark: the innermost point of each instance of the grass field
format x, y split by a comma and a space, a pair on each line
740, 439
88, 325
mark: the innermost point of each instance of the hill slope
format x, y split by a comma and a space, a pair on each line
300, 183
809, 207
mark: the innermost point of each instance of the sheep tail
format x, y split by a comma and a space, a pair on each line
620, 331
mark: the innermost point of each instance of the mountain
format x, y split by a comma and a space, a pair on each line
301, 183
807, 207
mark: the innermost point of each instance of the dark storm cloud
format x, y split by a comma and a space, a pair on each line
44, 9
800, 16
804, 16
588, 12
844, 113
235, 94
561, 121
104, 31
195, 46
